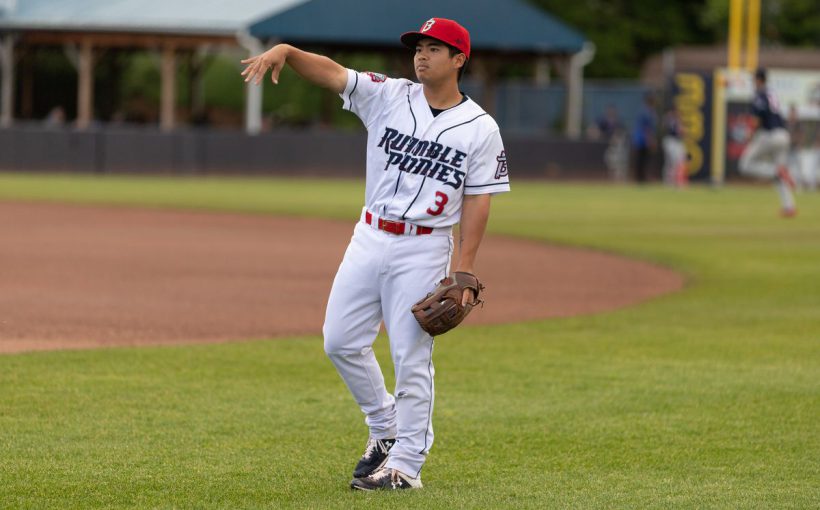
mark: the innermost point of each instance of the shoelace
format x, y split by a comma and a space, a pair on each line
372, 445
395, 477
383, 473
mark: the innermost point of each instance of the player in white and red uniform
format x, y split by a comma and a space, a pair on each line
434, 158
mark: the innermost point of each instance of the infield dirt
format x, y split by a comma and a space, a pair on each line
83, 277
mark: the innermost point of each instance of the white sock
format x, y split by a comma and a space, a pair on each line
786, 196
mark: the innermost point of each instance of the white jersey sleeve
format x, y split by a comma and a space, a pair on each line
367, 94
488, 167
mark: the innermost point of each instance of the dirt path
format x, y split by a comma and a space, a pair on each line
82, 277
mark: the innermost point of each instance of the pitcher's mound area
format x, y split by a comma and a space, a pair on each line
80, 277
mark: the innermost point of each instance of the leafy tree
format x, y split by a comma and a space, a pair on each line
626, 32
782, 22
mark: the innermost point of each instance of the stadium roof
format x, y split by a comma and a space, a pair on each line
157, 16
512, 25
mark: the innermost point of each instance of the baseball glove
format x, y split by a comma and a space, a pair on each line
442, 310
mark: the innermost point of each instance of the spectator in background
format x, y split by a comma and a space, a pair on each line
55, 117
609, 123
606, 125
643, 137
674, 150
814, 158
801, 154
609, 128
616, 156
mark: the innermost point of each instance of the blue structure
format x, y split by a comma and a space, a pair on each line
509, 26
498, 30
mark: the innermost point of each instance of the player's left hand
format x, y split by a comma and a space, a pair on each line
448, 304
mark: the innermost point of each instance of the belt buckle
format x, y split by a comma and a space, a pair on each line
393, 227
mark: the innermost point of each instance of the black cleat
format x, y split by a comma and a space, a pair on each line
386, 479
374, 457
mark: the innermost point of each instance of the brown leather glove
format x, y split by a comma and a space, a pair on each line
442, 310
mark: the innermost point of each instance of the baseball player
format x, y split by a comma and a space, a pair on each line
767, 154
674, 150
434, 158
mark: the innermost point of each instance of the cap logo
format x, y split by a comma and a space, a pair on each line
427, 26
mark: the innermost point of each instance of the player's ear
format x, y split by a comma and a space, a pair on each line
460, 60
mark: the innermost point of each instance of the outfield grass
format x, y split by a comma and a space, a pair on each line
709, 398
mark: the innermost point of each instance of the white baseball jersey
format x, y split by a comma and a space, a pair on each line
418, 169
420, 166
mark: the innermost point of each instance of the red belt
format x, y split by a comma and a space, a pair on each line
396, 227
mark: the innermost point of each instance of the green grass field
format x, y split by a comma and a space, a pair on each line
709, 398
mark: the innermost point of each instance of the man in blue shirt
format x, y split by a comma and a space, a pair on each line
767, 154
643, 137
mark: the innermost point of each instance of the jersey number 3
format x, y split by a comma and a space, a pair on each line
441, 201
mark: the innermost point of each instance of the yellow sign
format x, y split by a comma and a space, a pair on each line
689, 102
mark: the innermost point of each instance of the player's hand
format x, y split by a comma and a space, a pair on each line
273, 59
468, 296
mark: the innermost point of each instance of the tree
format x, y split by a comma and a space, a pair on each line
626, 32
782, 22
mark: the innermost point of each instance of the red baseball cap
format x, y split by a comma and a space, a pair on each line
445, 30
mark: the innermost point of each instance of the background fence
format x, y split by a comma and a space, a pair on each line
203, 151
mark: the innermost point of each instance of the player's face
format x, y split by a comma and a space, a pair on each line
433, 62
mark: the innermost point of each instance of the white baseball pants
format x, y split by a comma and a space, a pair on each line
381, 276
767, 151
765, 154
674, 154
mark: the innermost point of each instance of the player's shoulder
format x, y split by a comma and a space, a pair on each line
475, 114
378, 79
372, 83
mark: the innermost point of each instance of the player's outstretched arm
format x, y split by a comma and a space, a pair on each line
317, 69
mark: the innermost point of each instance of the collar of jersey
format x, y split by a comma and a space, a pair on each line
463, 100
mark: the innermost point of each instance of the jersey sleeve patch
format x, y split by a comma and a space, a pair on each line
502, 170
488, 170
376, 77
